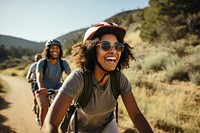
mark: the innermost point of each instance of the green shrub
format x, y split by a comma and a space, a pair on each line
193, 40
156, 62
176, 72
195, 77
179, 47
168, 127
13, 74
15, 62
193, 64
3, 66
1, 86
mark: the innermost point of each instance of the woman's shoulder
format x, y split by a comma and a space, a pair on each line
119, 73
77, 72
122, 75
33, 64
63, 60
41, 60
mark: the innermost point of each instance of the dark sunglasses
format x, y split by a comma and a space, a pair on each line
106, 46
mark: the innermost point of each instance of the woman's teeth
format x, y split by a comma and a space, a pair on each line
111, 58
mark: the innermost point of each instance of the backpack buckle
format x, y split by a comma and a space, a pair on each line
77, 105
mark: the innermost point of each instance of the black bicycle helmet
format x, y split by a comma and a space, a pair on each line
53, 42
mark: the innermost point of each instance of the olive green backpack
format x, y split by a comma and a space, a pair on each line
85, 97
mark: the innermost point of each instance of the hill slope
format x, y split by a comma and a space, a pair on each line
9, 41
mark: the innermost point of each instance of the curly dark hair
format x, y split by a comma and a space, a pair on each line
83, 54
46, 52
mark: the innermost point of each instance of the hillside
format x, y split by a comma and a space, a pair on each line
165, 76
72, 36
9, 41
69, 39
124, 19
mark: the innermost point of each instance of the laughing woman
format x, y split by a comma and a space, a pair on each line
101, 53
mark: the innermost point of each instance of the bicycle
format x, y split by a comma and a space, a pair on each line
50, 95
35, 107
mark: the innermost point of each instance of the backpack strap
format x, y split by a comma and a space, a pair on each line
115, 86
85, 96
115, 83
87, 89
44, 67
61, 65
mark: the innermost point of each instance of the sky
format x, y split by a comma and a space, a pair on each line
40, 20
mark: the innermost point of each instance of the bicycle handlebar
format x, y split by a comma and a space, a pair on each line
32, 80
50, 91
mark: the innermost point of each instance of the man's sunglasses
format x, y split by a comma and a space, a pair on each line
106, 46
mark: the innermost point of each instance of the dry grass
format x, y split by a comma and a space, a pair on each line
133, 38
15, 72
169, 107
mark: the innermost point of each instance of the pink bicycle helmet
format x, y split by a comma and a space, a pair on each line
105, 28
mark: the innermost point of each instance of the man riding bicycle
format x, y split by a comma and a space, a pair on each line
49, 73
31, 78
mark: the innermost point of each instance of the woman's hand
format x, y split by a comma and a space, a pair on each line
43, 91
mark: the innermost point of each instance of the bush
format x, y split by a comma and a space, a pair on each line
13, 74
193, 65
156, 62
176, 72
179, 47
15, 62
168, 127
195, 77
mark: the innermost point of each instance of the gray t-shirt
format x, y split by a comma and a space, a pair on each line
52, 77
31, 70
97, 112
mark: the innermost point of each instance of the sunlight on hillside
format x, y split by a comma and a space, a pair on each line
133, 38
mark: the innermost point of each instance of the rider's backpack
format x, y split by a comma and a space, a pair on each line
85, 97
45, 66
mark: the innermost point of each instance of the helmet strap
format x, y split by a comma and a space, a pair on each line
100, 66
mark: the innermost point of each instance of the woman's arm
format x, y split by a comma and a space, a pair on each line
39, 77
42, 89
135, 114
56, 113
28, 76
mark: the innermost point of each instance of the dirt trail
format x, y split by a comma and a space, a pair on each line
16, 115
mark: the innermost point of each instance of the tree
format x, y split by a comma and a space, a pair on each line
3, 53
170, 19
